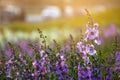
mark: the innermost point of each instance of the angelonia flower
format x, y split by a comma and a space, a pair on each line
91, 50
117, 57
86, 48
41, 65
117, 61
110, 31
97, 41
62, 68
84, 73
109, 73
42, 52
81, 46
93, 34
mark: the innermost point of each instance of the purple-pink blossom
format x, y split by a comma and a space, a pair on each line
92, 33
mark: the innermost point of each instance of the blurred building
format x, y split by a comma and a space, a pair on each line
48, 13
41, 10
10, 13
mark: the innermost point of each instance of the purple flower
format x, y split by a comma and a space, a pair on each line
9, 52
84, 73
61, 77
117, 56
117, 61
79, 71
108, 32
8, 73
43, 70
58, 71
61, 69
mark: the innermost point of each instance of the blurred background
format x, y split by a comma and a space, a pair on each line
20, 19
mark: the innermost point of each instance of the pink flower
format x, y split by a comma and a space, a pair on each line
1, 63
79, 44
33, 74
84, 55
92, 33
111, 31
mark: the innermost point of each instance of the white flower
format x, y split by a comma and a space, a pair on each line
91, 50
97, 41
62, 57
84, 55
96, 25
57, 54
81, 46
34, 63
87, 60
42, 52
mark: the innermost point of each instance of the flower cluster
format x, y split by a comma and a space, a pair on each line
93, 33
88, 48
117, 62
84, 73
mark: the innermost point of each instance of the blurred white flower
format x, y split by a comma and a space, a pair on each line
42, 52
81, 46
98, 41
91, 50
